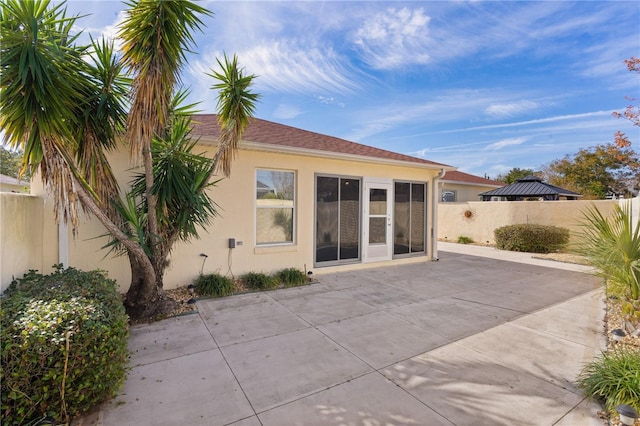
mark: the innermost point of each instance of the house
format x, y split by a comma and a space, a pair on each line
529, 188
457, 186
295, 198
11, 184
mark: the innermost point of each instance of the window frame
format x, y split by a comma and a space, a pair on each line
294, 208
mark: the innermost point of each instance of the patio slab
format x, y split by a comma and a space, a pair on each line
249, 321
168, 339
469, 388
279, 369
381, 339
321, 308
196, 389
469, 318
466, 341
367, 400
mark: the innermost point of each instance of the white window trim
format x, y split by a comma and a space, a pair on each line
294, 209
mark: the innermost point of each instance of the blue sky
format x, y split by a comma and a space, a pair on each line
483, 86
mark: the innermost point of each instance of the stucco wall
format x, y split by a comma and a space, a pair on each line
236, 199
21, 235
484, 217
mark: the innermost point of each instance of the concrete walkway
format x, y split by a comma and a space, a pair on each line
483, 338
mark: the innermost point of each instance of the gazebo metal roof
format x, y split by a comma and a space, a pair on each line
527, 187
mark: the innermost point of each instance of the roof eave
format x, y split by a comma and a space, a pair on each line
266, 147
460, 182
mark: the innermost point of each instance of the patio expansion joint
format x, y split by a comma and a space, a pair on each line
226, 361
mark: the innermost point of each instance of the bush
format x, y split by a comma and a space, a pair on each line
292, 277
613, 378
465, 240
259, 281
63, 346
531, 238
214, 285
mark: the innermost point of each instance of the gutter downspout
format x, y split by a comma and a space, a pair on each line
63, 244
434, 214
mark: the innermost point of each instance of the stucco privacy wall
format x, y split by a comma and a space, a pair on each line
21, 235
236, 199
478, 220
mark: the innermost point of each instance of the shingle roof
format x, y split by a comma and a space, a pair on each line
269, 133
529, 186
458, 176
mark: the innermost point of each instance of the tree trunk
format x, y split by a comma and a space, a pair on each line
145, 299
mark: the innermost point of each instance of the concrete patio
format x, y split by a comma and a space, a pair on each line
468, 340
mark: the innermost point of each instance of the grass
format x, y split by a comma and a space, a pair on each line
613, 378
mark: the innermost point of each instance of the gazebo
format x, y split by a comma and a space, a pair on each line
527, 188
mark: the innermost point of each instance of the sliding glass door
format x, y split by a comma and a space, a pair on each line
337, 220
409, 218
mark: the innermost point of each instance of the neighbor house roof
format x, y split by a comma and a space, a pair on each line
530, 186
267, 135
456, 176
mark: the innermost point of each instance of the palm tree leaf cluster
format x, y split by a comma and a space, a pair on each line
67, 113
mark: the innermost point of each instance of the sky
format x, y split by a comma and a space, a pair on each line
483, 86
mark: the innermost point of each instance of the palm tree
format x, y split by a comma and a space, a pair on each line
65, 114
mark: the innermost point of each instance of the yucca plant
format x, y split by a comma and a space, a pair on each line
612, 246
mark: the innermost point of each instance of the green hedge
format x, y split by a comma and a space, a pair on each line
70, 328
531, 238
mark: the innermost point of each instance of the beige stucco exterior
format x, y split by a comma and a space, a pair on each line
21, 235
237, 207
477, 220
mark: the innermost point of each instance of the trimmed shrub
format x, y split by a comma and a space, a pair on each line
292, 277
214, 285
613, 378
531, 238
64, 345
260, 281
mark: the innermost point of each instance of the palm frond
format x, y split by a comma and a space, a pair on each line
236, 104
612, 245
156, 37
42, 80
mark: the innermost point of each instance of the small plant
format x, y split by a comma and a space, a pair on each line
63, 344
613, 378
612, 245
531, 238
260, 281
214, 285
465, 240
292, 277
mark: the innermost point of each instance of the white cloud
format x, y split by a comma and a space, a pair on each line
285, 112
511, 109
504, 143
394, 38
286, 66
330, 100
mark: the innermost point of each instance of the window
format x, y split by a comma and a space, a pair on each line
409, 218
449, 196
337, 219
275, 206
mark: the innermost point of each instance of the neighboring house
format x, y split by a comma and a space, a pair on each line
295, 198
11, 184
458, 186
529, 188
